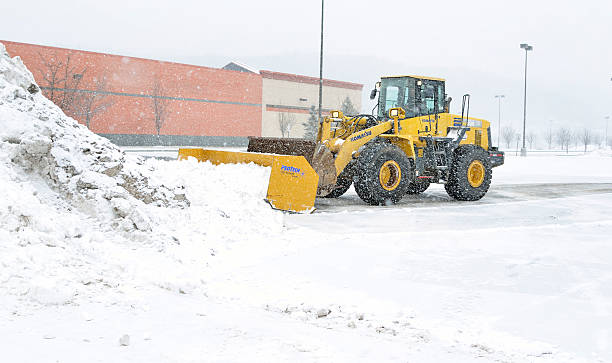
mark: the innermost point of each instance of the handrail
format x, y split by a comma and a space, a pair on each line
466, 101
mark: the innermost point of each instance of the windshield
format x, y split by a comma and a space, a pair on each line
391, 95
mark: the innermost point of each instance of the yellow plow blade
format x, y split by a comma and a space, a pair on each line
293, 182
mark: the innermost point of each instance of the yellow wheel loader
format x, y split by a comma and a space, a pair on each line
411, 142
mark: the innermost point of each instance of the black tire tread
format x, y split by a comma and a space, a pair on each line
345, 179
418, 187
366, 181
457, 185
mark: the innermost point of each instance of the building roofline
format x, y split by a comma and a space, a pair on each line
310, 80
417, 77
242, 65
119, 56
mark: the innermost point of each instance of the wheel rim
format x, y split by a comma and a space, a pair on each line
390, 175
476, 173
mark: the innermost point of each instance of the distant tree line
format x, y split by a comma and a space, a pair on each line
561, 138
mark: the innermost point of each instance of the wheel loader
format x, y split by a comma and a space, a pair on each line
411, 141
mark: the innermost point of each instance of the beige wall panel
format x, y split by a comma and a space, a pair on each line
288, 94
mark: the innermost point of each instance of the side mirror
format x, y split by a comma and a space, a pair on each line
373, 94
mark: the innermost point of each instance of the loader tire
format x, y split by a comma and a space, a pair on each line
418, 186
343, 183
470, 174
382, 174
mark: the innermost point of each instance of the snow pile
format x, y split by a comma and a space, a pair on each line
78, 217
85, 168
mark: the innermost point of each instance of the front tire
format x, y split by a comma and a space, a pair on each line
383, 173
470, 174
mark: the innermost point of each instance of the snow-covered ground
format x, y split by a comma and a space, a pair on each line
200, 269
517, 279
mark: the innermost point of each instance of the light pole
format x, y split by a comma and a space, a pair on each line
321, 63
499, 97
527, 48
607, 119
549, 139
606, 138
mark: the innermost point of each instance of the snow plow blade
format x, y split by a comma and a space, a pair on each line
293, 182
316, 154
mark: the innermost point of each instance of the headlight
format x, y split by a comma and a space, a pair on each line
335, 114
393, 112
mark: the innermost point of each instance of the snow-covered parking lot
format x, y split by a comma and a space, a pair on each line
523, 275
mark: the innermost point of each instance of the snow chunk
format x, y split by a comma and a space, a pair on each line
47, 291
124, 341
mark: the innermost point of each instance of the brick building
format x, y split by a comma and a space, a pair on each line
135, 101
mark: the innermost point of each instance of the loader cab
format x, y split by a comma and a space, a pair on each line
418, 96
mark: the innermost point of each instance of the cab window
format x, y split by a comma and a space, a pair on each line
429, 99
408, 104
391, 97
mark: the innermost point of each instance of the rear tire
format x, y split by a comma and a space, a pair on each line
345, 179
382, 174
470, 174
418, 186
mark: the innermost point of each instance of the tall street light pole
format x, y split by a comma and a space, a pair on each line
607, 119
606, 138
499, 97
549, 137
527, 48
321, 63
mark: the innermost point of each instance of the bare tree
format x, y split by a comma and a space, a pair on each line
550, 137
508, 135
285, 122
62, 81
564, 138
586, 138
52, 75
597, 139
160, 105
90, 103
576, 139
71, 82
531, 139
517, 138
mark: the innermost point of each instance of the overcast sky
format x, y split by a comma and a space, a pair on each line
473, 44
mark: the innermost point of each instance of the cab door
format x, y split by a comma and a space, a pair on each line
429, 97
430, 102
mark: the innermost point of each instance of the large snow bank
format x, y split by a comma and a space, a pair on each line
85, 168
78, 216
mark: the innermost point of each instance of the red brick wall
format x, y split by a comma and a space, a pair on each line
211, 102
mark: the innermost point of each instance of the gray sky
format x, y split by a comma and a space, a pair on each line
473, 44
